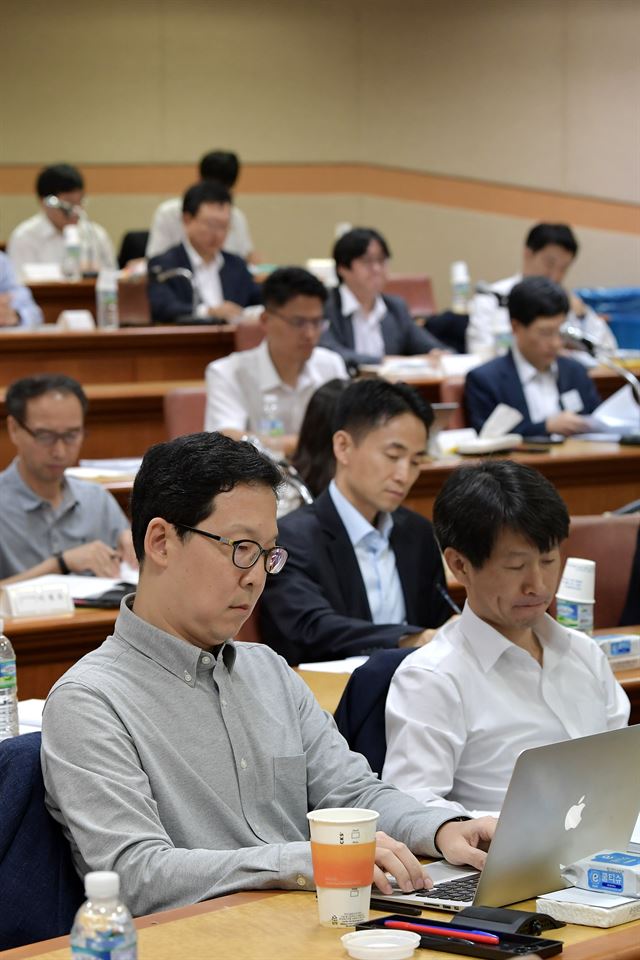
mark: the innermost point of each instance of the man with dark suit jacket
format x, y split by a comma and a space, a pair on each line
363, 572
552, 393
220, 285
364, 324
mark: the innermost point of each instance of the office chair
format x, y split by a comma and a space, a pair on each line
42, 889
360, 714
184, 410
133, 246
611, 542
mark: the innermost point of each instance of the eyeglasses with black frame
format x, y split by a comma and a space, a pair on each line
246, 553
299, 323
49, 438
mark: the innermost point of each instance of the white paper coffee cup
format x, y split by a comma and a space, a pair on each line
578, 580
343, 843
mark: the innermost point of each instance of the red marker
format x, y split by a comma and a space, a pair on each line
453, 933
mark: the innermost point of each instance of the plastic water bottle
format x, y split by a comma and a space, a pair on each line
71, 266
271, 426
460, 287
8, 688
103, 926
107, 300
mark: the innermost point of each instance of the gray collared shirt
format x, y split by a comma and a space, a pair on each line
31, 530
192, 775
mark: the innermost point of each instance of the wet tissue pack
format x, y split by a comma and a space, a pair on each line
609, 871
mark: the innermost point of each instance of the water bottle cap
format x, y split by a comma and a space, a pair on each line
459, 272
101, 885
71, 234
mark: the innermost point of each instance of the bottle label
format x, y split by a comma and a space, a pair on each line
104, 947
7, 674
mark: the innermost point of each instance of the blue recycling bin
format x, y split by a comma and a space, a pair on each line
622, 306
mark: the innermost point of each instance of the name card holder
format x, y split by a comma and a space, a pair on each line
29, 598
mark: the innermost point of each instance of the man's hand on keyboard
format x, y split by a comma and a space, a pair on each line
466, 841
395, 858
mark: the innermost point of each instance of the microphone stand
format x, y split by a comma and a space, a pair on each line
575, 337
161, 276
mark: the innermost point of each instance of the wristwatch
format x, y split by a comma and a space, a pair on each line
61, 563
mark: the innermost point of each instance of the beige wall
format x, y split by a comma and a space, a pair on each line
542, 94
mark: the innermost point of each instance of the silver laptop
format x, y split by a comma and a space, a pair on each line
565, 801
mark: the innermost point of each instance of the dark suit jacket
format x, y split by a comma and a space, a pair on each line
400, 334
174, 297
317, 608
498, 382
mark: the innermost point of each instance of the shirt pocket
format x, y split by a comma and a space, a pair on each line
290, 785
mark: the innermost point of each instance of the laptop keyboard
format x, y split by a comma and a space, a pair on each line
463, 889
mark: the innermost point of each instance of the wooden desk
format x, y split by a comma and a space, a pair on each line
123, 420
55, 296
277, 925
131, 354
606, 381
590, 477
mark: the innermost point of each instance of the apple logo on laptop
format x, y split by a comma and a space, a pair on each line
574, 815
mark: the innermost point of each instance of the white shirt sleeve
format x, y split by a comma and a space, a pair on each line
426, 734
166, 228
103, 247
225, 405
485, 316
239, 239
21, 249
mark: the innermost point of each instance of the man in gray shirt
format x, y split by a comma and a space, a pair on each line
186, 761
50, 523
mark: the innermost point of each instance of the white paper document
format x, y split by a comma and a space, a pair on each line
334, 666
618, 414
83, 587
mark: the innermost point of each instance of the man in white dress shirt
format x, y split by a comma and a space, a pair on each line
284, 371
219, 166
549, 251
40, 239
505, 676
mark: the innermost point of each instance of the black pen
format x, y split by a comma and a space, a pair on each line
404, 908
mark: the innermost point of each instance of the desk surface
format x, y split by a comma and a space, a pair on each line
283, 926
591, 477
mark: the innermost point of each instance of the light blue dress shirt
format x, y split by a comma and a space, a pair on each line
22, 301
376, 559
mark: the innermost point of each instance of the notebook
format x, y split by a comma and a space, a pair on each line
565, 801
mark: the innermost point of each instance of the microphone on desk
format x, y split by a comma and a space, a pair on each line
161, 276
55, 203
76, 209
573, 336
484, 288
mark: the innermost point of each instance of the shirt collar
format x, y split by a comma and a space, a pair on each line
357, 526
177, 656
196, 260
350, 304
488, 645
268, 376
527, 372
27, 498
